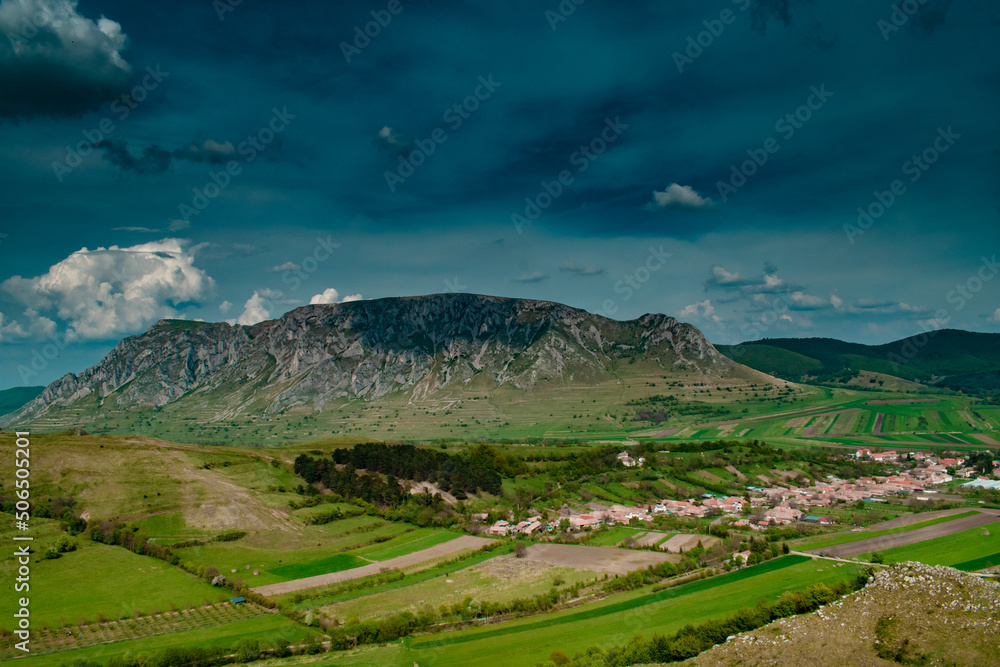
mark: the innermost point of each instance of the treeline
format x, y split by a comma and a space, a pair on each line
459, 475
691, 640
59, 507
244, 651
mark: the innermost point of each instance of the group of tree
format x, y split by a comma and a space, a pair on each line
347, 483
458, 474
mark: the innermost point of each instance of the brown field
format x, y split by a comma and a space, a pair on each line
767, 480
650, 539
446, 549
679, 543
879, 420
709, 476
736, 472
985, 439
911, 537
596, 559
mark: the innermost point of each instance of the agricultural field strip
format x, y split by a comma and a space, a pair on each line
908, 537
598, 610
969, 549
845, 538
453, 546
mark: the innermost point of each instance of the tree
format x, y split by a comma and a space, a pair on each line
878, 557
247, 650
559, 658
520, 550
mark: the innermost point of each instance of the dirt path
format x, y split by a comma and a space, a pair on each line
910, 537
446, 549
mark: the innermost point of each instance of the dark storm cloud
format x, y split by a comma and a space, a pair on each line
156, 160
930, 16
764, 10
56, 62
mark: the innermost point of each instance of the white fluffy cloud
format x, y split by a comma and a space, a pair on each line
54, 61
106, 292
37, 327
702, 310
678, 196
995, 317
331, 295
256, 309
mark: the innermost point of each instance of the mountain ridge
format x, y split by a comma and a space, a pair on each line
422, 345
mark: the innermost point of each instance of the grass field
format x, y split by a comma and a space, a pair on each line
337, 563
111, 581
267, 628
967, 548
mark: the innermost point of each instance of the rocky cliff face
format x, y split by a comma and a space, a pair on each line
369, 349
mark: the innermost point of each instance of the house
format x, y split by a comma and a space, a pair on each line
583, 521
783, 514
500, 528
629, 462
745, 555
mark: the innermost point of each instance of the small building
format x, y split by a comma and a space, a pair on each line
238, 600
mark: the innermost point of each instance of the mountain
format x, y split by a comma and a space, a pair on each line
13, 398
947, 358
399, 349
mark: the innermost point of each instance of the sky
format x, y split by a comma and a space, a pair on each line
758, 168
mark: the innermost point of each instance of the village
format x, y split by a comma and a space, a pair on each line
761, 506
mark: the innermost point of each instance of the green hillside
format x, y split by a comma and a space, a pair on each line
949, 358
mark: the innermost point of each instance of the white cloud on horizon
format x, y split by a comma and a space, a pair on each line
330, 295
678, 196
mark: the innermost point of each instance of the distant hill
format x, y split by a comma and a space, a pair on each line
16, 397
946, 358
